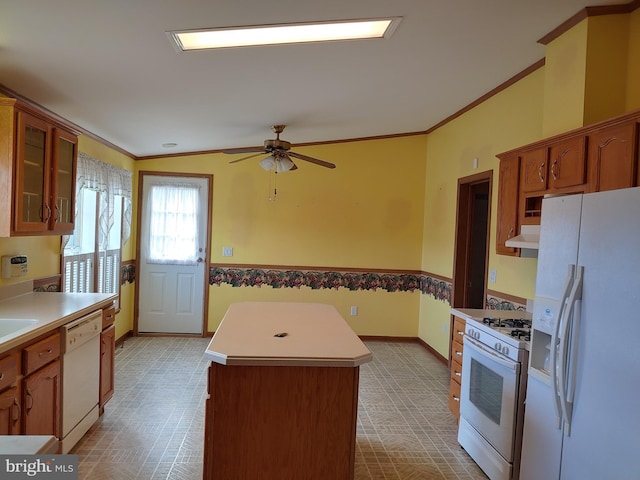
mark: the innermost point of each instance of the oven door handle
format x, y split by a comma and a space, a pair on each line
474, 344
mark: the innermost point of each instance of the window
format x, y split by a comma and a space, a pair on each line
91, 255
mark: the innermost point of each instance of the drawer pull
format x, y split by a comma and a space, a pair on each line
48, 352
459, 354
460, 333
458, 374
457, 399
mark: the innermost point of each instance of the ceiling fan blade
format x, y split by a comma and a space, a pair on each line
243, 150
248, 157
307, 158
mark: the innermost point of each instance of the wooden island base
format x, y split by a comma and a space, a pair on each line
283, 394
280, 423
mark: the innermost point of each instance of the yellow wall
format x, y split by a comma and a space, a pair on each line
367, 213
606, 73
505, 121
564, 85
633, 63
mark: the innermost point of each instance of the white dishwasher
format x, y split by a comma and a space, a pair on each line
80, 377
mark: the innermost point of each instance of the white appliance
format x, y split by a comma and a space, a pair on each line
582, 417
494, 369
80, 377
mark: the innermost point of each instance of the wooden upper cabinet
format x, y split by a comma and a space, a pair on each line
567, 163
507, 220
613, 162
534, 170
38, 156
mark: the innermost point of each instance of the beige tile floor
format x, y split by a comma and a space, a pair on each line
153, 426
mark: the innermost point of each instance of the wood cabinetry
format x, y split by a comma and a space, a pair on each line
507, 223
10, 407
456, 365
38, 158
598, 157
41, 387
107, 356
613, 161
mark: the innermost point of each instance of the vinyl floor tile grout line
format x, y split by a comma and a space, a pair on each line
152, 428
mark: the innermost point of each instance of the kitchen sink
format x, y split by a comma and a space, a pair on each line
12, 325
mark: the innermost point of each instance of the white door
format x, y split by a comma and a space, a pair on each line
172, 277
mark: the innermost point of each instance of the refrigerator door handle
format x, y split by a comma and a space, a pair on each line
554, 344
564, 376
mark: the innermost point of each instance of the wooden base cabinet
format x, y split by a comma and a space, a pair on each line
280, 422
107, 356
42, 401
455, 363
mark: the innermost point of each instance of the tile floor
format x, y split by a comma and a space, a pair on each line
153, 426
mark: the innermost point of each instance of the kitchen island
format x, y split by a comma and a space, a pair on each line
283, 393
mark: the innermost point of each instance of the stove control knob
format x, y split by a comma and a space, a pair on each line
498, 347
505, 350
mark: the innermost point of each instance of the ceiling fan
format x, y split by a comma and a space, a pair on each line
279, 158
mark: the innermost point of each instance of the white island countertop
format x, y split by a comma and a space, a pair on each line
50, 310
316, 335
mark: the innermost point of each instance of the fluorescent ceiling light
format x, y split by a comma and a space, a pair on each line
284, 33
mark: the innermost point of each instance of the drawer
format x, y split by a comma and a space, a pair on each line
454, 398
8, 371
458, 329
108, 316
456, 351
41, 353
456, 371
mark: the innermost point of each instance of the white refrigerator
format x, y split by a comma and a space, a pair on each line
582, 411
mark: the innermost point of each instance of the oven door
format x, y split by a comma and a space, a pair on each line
489, 395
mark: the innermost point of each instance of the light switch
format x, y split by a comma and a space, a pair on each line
227, 251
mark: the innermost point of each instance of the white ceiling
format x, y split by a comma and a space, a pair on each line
108, 66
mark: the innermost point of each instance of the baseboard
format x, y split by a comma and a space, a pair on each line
120, 341
418, 340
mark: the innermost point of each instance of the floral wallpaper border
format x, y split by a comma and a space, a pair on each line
315, 279
433, 286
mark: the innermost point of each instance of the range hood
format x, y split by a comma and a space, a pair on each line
529, 238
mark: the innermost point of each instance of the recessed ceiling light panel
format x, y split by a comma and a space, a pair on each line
186, 40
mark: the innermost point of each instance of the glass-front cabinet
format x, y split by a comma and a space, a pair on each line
41, 163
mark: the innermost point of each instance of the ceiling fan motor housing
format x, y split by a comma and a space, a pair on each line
276, 144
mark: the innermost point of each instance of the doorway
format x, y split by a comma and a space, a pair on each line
472, 241
172, 253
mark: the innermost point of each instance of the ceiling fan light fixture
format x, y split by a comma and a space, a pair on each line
284, 164
268, 163
246, 36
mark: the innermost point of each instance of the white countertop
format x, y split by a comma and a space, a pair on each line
479, 313
27, 444
50, 310
317, 335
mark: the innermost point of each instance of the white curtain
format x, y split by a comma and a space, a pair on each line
109, 181
173, 223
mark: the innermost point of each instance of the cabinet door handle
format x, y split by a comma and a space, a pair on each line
18, 409
510, 234
1, 375
540, 176
553, 169
48, 213
29, 406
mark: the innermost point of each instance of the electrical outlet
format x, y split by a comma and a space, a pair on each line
354, 311
227, 251
492, 276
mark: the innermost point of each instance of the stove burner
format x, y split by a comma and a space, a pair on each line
521, 334
507, 322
